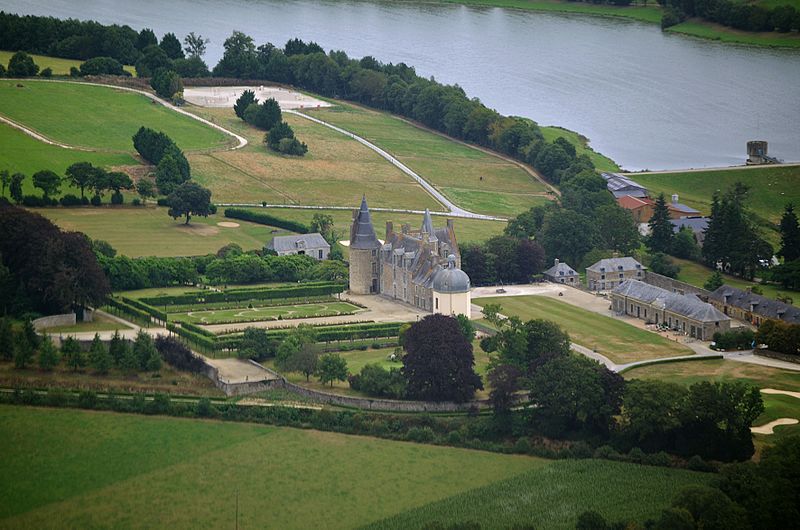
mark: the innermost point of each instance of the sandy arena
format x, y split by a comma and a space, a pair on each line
226, 96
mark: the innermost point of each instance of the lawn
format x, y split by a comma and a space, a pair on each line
643, 13
91, 469
58, 65
149, 231
102, 118
336, 171
771, 188
98, 323
258, 314
697, 274
619, 341
22, 154
710, 30
601, 162
484, 179
553, 496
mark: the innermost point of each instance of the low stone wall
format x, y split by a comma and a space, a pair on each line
675, 286
52, 321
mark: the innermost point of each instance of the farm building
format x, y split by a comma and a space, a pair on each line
641, 208
621, 186
685, 313
313, 245
752, 308
562, 273
608, 273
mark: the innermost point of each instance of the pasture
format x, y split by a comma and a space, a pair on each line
101, 118
149, 231
488, 184
258, 314
95, 469
58, 65
619, 341
336, 171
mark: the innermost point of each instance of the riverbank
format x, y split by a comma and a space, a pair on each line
645, 13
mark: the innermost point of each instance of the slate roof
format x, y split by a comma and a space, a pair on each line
697, 225
687, 305
290, 243
621, 185
427, 226
613, 265
757, 304
362, 233
560, 269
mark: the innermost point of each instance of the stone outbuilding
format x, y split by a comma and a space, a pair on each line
684, 313
562, 273
752, 308
313, 245
609, 273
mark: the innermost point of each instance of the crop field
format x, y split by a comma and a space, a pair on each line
771, 188
619, 341
149, 231
58, 65
257, 314
483, 180
94, 469
22, 154
336, 171
553, 496
101, 118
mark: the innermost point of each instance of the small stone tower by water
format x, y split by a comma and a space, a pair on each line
364, 253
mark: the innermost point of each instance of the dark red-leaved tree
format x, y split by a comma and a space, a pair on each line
439, 364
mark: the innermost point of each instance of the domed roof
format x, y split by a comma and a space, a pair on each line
451, 279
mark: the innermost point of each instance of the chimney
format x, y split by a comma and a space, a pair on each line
556, 262
389, 230
674, 198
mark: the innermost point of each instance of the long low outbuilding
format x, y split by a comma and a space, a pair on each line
680, 312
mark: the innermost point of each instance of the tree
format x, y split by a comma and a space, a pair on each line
243, 102
256, 345
48, 355
146, 38
714, 282
195, 45
153, 58
128, 361
102, 66
568, 235
144, 349
617, 228
529, 345
504, 381
99, 358
323, 223
146, 188
439, 364
684, 244
81, 175
30, 334
264, 116
650, 413
278, 133
168, 175
47, 181
189, 199
5, 180
331, 367
491, 312
296, 352
790, 235
6, 340
239, 59
116, 348
72, 353
467, 329
24, 349
661, 264
166, 83
15, 188
191, 67
661, 234
711, 509
21, 65
171, 46
118, 181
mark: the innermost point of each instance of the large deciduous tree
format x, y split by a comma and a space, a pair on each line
331, 367
21, 65
189, 199
439, 364
568, 235
296, 352
47, 181
151, 60
195, 45
81, 175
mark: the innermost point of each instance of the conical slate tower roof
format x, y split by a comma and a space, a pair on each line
427, 225
362, 234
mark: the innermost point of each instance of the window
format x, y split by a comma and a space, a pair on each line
638, 273
437, 303
373, 253
621, 275
374, 268
602, 276
320, 253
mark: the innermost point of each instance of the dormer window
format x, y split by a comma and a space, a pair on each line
602, 269
619, 268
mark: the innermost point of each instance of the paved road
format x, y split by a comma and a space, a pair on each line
455, 210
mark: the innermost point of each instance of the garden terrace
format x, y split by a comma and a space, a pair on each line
250, 313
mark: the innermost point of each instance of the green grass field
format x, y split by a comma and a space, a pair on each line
553, 496
486, 184
256, 314
59, 111
771, 188
87, 469
697, 274
619, 341
601, 162
22, 154
637, 12
149, 231
336, 171
58, 65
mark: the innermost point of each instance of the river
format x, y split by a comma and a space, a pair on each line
647, 99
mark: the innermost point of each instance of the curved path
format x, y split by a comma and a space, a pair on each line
455, 210
242, 141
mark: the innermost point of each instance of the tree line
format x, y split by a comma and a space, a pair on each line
267, 116
739, 15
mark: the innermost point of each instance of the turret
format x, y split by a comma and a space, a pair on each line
364, 255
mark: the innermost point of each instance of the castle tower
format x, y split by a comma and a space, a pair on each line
364, 253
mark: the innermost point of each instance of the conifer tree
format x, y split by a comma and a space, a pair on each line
72, 353
48, 355
714, 282
661, 234
6, 340
154, 361
30, 333
23, 350
116, 348
99, 358
128, 362
247, 98
790, 235
143, 349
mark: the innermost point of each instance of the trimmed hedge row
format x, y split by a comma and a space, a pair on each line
195, 340
152, 311
266, 219
137, 315
327, 333
197, 329
299, 291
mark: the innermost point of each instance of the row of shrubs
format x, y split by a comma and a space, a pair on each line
152, 311
474, 432
266, 219
69, 200
735, 339
137, 315
303, 290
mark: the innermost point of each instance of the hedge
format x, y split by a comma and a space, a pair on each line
266, 219
326, 333
137, 315
152, 311
299, 291
197, 329
196, 340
